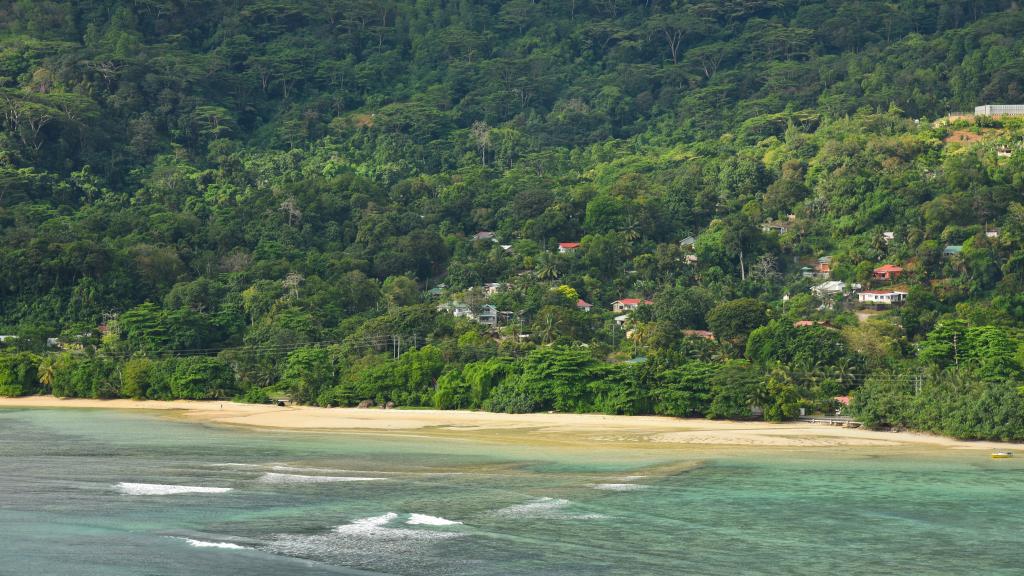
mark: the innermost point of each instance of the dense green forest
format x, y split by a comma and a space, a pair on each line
226, 198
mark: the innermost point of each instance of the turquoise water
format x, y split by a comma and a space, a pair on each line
86, 492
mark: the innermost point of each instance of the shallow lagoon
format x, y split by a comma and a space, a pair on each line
100, 492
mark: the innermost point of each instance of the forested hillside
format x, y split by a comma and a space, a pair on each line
350, 200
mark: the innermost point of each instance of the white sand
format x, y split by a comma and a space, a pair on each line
652, 431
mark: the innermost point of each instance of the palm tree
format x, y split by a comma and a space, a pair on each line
46, 373
546, 267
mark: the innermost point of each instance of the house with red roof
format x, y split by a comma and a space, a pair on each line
887, 272
582, 304
705, 334
627, 304
567, 247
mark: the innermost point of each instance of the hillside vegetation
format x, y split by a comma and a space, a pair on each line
205, 199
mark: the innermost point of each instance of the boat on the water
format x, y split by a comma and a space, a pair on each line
1002, 454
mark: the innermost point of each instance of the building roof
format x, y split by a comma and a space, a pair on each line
882, 292
844, 400
581, 303
483, 235
825, 260
831, 286
569, 245
706, 334
688, 241
633, 302
951, 249
888, 268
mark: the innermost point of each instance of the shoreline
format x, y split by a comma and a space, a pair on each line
586, 429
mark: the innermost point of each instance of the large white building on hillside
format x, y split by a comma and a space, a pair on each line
999, 110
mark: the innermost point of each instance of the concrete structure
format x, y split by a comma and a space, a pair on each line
999, 110
882, 297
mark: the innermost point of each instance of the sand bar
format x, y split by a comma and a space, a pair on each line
566, 428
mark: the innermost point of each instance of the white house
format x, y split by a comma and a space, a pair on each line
882, 297
627, 304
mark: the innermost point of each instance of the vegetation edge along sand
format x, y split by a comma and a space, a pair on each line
589, 428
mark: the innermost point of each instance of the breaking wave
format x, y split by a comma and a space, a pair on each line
545, 507
423, 519
205, 544
278, 478
137, 489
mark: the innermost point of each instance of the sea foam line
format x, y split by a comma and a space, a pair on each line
138, 489
619, 487
205, 544
277, 478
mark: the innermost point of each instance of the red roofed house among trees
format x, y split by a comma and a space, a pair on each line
565, 247
887, 272
583, 305
627, 304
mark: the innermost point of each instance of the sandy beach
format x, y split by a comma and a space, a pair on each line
562, 428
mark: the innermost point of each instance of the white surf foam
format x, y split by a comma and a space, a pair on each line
545, 507
278, 478
632, 478
205, 544
619, 487
534, 507
423, 519
136, 489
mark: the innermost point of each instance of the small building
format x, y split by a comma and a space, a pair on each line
828, 290
583, 305
436, 291
951, 250
627, 304
778, 226
492, 288
1004, 152
992, 233
887, 272
488, 315
888, 236
882, 297
824, 266
705, 334
456, 309
621, 320
807, 272
688, 242
690, 259
568, 247
999, 110
484, 235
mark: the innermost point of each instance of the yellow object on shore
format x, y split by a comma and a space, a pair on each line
1002, 454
